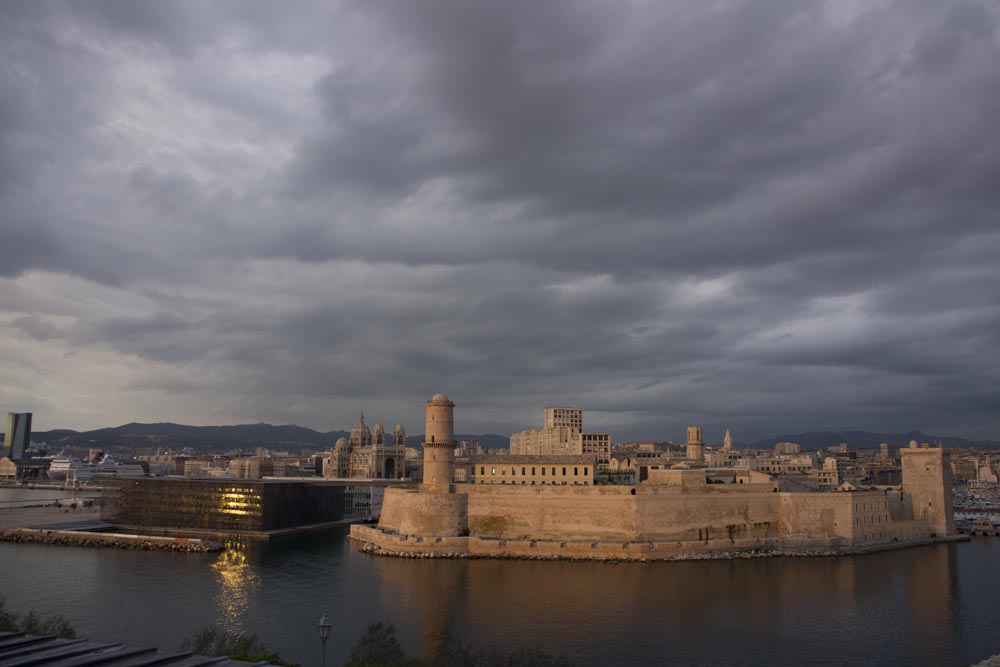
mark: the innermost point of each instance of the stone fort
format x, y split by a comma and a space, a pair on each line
671, 514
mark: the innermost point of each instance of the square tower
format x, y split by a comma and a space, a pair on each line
927, 480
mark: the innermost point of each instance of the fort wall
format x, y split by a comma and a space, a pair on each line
685, 516
379, 542
410, 512
676, 513
551, 512
720, 517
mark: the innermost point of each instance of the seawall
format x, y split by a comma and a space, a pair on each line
379, 542
116, 540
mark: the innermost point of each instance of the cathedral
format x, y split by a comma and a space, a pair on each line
367, 454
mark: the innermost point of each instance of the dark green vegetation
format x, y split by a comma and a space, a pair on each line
379, 647
33, 624
236, 645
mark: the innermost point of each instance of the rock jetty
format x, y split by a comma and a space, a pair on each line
115, 540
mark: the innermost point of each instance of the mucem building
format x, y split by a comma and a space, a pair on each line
227, 506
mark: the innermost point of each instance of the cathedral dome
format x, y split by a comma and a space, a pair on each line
378, 428
361, 435
341, 444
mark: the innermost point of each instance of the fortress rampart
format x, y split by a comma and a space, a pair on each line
677, 515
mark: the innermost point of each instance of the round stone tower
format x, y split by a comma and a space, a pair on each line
695, 445
439, 441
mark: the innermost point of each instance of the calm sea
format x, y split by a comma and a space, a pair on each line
935, 605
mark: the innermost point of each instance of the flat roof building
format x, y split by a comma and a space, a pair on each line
534, 470
562, 436
225, 506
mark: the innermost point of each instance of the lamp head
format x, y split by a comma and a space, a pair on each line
324, 627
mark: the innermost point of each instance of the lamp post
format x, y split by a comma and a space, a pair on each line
324, 633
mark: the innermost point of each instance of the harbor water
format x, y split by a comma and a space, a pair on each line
931, 605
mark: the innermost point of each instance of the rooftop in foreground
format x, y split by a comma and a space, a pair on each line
20, 650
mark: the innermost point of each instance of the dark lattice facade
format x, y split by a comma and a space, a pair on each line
234, 505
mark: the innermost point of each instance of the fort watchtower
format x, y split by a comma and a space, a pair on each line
439, 442
695, 445
927, 481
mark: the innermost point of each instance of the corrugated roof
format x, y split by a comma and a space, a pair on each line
20, 650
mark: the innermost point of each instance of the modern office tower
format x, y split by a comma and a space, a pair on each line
17, 437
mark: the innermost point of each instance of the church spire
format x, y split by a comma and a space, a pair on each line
727, 442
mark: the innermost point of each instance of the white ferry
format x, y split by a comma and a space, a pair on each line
63, 468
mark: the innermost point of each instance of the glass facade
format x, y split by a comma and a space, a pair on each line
234, 505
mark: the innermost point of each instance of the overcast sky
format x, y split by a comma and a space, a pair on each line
773, 215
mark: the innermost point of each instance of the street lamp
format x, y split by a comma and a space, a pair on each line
324, 633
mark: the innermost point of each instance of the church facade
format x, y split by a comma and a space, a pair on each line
367, 454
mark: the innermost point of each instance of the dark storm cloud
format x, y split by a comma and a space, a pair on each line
775, 215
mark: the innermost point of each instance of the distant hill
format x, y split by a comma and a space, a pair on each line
866, 440
290, 436
172, 435
168, 434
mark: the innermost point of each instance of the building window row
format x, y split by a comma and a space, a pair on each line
513, 471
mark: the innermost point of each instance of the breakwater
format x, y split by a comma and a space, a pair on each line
115, 540
381, 543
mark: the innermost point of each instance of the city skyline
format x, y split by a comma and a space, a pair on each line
772, 217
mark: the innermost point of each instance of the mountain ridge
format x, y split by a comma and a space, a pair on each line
171, 434
136, 434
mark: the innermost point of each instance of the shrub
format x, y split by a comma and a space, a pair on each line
214, 641
33, 624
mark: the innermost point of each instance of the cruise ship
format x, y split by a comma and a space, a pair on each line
63, 467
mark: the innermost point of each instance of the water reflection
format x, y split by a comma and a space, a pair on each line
933, 605
934, 598
689, 612
238, 583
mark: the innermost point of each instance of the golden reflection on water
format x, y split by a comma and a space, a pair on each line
238, 584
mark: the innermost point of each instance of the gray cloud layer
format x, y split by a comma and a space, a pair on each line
769, 215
